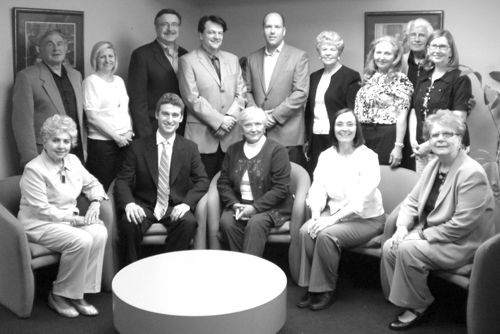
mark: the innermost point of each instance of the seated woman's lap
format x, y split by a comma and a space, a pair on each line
262, 219
59, 237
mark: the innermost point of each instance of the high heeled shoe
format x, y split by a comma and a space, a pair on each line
88, 310
68, 312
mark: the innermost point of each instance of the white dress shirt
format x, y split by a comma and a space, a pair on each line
270, 60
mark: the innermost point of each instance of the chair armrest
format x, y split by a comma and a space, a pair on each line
200, 213
16, 275
389, 229
484, 289
214, 212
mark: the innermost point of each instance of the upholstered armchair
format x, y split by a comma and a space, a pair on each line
19, 259
157, 232
287, 233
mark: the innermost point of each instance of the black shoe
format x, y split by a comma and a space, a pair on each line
401, 326
305, 300
323, 300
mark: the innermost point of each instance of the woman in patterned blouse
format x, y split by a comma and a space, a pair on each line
383, 101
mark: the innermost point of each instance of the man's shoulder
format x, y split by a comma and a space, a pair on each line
32, 70
256, 53
228, 55
145, 48
140, 143
185, 143
293, 50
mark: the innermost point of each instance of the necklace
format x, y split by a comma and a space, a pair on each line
442, 177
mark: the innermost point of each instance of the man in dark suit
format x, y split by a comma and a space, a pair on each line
145, 194
153, 72
277, 80
47, 88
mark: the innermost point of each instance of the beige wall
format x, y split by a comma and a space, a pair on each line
128, 24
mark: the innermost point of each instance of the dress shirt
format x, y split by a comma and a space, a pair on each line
159, 142
270, 61
172, 54
347, 183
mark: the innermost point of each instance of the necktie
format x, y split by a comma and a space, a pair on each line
163, 184
215, 62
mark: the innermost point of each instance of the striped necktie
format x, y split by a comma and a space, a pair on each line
163, 183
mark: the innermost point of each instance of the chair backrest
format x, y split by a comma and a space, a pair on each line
10, 194
395, 185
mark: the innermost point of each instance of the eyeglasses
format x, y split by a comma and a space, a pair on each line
445, 134
170, 25
443, 48
414, 35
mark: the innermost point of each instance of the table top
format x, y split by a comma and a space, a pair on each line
199, 283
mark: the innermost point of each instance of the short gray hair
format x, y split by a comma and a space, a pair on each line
48, 33
445, 118
57, 124
249, 113
331, 37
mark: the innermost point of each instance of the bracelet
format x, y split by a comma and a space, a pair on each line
96, 200
399, 144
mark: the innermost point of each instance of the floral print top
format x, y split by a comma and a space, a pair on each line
379, 100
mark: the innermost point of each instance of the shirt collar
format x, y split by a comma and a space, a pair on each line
160, 139
63, 70
209, 55
278, 50
446, 77
53, 167
164, 46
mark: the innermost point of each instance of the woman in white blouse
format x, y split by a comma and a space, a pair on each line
346, 209
106, 108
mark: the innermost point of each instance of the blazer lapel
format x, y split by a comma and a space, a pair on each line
427, 184
449, 182
50, 87
160, 57
260, 69
282, 59
74, 78
177, 160
202, 56
151, 156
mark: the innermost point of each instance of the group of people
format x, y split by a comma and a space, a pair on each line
188, 115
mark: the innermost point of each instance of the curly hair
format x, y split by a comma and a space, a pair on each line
445, 118
395, 67
331, 37
57, 124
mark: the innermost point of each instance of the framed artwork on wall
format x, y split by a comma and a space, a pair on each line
378, 24
31, 23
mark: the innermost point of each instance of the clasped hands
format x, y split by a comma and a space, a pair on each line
243, 211
420, 149
135, 213
226, 126
124, 139
318, 223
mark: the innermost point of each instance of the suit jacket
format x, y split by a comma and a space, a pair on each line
150, 75
341, 93
287, 93
463, 215
36, 98
138, 179
209, 99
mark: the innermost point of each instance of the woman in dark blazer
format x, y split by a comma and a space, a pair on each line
253, 186
331, 89
442, 222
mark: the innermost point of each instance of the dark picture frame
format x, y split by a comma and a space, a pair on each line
31, 23
378, 24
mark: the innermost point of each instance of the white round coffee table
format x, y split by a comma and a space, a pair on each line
200, 291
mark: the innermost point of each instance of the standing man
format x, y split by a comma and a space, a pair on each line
153, 72
162, 180
214, 92
278, 82
47, 88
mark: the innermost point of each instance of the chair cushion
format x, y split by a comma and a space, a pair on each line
37, 250
372, 243
283, 229
156, 229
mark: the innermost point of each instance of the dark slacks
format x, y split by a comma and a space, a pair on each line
247, 236
179, 233
105, 159
213, 162
296, 154
380, 138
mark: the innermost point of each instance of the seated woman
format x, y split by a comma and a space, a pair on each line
253, 186
382, 103
346, 209
442, 222
50, 185
105, 102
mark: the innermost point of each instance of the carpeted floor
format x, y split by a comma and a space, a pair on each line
359, 309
